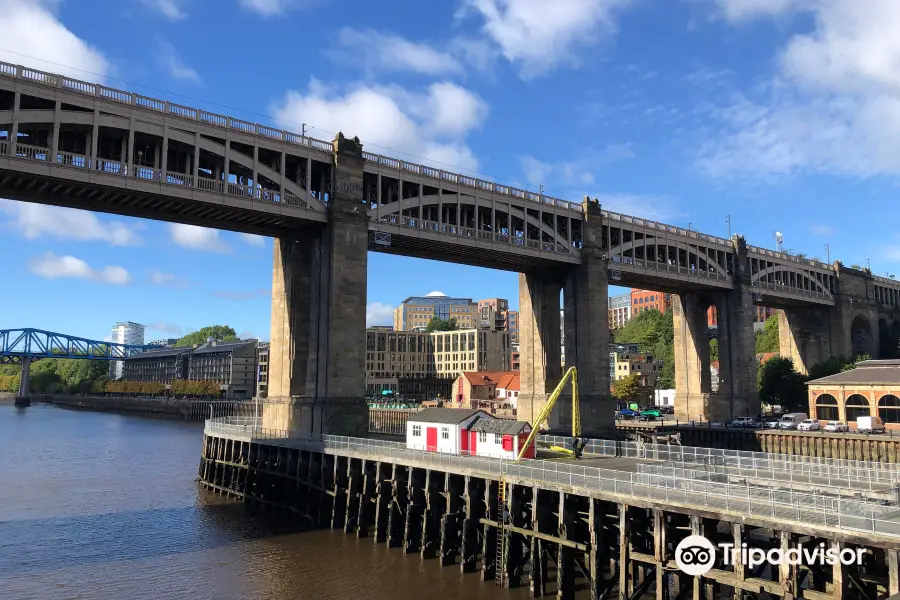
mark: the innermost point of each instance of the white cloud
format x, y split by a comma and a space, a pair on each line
743, 10
172, 63
31, 28
648, 206
253, 240
51, 266
430, 124
820, 229
389, 52
165, 327
577, 174
170, 9
833, 105
167, 279
271, 8
197, 238
539, 36
38, 220
378, 313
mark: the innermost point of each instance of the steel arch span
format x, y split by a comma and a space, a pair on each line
37, 343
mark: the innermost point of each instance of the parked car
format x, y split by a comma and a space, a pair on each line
745, 422
772, 424
836, 426
870, 425
791, 420
627, 413
651, 412
808, 425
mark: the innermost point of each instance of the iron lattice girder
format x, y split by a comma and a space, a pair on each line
37, 343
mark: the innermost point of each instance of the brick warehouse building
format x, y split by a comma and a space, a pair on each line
872, 388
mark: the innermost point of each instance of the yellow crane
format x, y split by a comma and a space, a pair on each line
572, 374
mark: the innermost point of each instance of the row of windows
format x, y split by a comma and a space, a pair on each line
445, 434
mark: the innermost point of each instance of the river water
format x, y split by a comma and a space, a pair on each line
106, 507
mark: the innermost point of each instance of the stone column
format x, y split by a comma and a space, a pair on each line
692, 377
539, 343
337, 359
586, 316
24, 397
737, 389
290, 327
804, 335
318, 339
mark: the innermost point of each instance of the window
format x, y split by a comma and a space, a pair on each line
482, 437
417, 430
498, 439
445, 433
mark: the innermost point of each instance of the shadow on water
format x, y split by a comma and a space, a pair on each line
35, 545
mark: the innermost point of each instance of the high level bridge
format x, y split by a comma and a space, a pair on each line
84, 145
23, 346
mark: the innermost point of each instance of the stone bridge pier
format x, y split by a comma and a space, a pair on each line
318, 334
853, 326
735, 395
584, 288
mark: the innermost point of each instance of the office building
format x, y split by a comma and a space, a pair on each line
619, 310
415, 312
124, 332
262, 369
165, 342
624, 364
230, 364
644, 300
416, 363
494, 313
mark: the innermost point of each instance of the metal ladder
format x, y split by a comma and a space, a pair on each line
501, 537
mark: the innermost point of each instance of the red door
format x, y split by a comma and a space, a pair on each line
473, 442
431, 439
463, 441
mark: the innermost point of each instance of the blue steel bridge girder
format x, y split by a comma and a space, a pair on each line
16, 344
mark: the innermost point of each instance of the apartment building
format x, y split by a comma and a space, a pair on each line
415, 312
619, 310
393, 357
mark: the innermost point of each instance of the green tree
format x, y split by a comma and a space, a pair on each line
437, 324
654, 333
780, 384
46, 382
832, 366
767, 337
217, 332
714, 349
629, 389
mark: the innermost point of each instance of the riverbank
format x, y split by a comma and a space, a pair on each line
184, 410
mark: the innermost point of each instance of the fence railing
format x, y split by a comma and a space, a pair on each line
877, 472
390, 421
741, 500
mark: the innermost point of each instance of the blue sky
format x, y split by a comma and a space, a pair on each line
783, 114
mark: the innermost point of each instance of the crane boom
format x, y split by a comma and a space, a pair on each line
551, 401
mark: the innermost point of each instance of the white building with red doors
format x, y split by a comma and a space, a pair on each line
466, 431
500, 438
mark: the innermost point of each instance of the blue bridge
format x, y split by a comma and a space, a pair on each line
22, 346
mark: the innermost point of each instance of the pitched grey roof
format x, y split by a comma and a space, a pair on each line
870, 372
446, 416
502, 426
160, 353
229, 347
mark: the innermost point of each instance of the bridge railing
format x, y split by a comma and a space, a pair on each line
876, 472
808, 509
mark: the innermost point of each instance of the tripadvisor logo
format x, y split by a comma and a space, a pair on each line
696, 555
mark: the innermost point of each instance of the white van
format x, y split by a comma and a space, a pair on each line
791, 420
869, 425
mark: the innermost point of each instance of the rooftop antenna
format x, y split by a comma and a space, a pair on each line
779, 241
